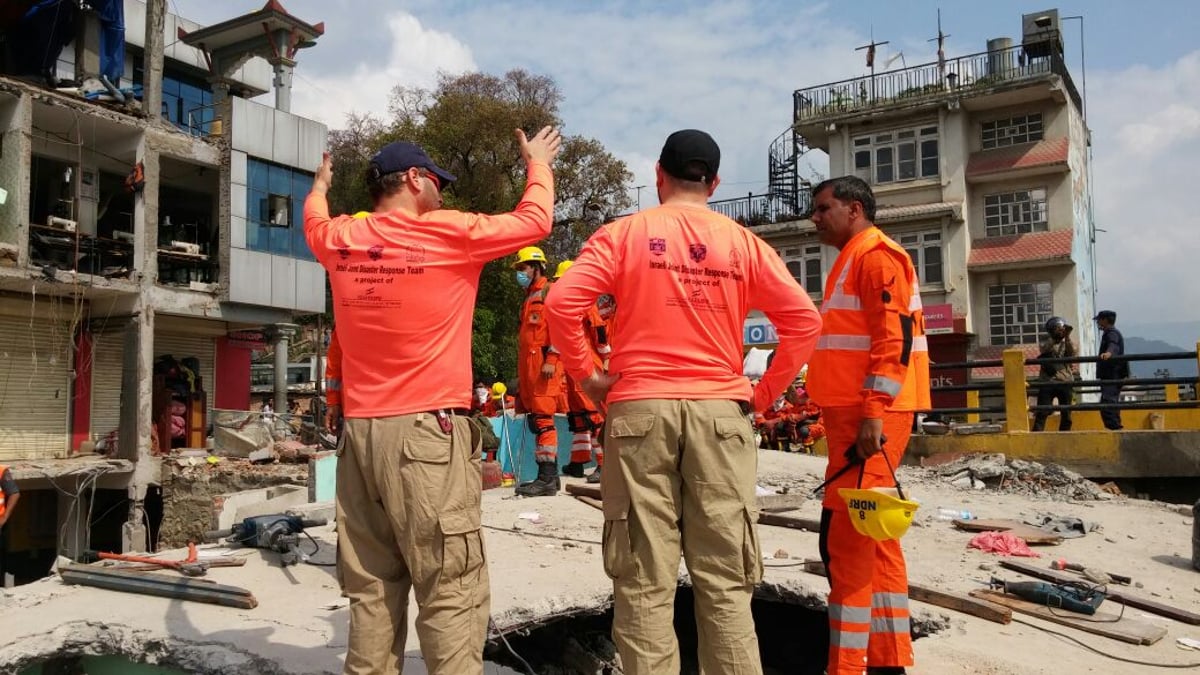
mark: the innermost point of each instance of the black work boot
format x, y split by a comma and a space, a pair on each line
594, 477
573, 469
546, 483
885, 670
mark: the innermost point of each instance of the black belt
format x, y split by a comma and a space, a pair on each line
442, 415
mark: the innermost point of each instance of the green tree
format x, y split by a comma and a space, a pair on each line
466, 125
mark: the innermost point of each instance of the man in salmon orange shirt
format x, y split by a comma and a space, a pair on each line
680, 461
409, 478
869, 373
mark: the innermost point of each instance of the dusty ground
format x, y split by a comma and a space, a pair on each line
553, 567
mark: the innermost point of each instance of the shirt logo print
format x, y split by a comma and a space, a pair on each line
415, 253
343, 252
698, 252
375, 252
735, 258
658, 246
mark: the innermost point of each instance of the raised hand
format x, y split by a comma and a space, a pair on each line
543, 147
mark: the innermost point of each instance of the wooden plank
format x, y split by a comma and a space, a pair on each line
591, 501
1032, 535
810, 524
1116, 595
959, 603
583, 490
1101, 623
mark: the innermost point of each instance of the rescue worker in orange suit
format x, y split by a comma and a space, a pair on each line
539, 374
409, 472
10, 494
680, 464
869, 374
583, 416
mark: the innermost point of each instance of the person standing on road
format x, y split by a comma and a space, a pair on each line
680, 463
1054, 379
869, 373
539, 374
409, 480
1112, 343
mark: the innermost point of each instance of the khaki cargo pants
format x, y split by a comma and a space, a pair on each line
680, 474
408, 516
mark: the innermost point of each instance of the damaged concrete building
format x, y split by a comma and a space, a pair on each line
150, 206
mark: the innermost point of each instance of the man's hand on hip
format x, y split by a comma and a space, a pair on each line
597, 384
870, 438
543, 147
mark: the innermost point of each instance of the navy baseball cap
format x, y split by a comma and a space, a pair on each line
402, 156
1106, 314
691, 154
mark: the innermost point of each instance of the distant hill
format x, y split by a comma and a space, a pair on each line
1184, 333
1178, 368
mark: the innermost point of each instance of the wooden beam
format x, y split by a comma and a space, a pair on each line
810, 524
1113, 594
1101, 623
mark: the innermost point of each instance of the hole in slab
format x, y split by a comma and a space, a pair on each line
793, 638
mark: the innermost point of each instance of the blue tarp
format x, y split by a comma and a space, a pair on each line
112, 38
514, 433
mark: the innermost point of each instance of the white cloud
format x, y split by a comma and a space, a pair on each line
1146, 136
416, 57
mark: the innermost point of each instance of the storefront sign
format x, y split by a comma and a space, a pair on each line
939, 319
759, 332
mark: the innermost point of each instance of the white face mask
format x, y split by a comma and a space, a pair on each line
481, 395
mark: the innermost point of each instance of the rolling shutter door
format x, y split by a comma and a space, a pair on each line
36, 358
108, 352
183, 346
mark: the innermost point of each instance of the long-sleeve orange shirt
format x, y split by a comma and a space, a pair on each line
684, 279
404, 290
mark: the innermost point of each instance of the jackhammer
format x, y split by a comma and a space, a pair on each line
279, 532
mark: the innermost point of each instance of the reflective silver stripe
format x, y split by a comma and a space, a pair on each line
850, 614
884, 385
920, 343
890, 624
852, 343
890, 600
914, 303
848, 639
333, 384
839, 300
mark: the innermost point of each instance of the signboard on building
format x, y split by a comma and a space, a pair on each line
939, 319
247, 339
759, 332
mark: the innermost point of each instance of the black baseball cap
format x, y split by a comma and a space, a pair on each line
1106, 314
402, 156
691, 154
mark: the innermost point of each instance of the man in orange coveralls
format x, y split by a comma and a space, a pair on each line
869, 373
539, 375
583, 416
680, 463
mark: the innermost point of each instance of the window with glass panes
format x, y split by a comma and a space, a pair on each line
1017, 312
1018, 212
804, 262
275, 209
925, 249
898, 155
1012, 131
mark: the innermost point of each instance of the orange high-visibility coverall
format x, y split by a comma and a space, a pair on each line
583, 415
539, 395
872, 362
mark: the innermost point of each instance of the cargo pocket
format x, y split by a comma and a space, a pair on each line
462, 545
616, 543
430, 447
734, 432
730, 540
752, 561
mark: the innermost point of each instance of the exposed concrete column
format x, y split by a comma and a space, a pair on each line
87, 45
283, 85
280, 335
152, 64
16, 121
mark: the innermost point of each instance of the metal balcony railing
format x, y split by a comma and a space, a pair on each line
930, 81
766, 208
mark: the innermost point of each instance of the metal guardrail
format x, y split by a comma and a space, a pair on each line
929, 81
764, 208
973, 410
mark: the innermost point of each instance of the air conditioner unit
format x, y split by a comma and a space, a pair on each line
61, 223
122, 235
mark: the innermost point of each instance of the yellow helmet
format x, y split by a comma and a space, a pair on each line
498, 391
563, 267
530, 254
879, 513
361, 214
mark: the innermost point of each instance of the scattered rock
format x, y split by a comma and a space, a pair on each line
987, 566
997, 472
1131, 536
1110, 540
781, 554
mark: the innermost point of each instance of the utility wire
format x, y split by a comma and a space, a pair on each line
1114, 657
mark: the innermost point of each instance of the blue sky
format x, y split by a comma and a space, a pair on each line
632, 72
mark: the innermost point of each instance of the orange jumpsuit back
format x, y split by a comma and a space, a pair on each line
539, 395
583, 415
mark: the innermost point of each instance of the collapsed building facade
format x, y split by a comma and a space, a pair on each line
151, 236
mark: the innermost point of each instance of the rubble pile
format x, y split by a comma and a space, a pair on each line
1019, 476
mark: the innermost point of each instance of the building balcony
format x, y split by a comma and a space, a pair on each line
764, 209
929, 84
